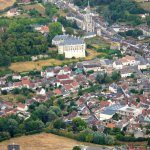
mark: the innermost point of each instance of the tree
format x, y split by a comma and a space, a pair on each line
51, 115
41, 113
76, 148
115, 76
31, 125
55, 29
12, 126
78, 124
4, 136
56, 110
148, 142
34, 13
69, 31
50, 9
59, 124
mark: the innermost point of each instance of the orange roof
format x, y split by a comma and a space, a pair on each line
57, 92
111, 125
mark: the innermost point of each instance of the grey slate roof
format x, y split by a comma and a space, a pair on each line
111, 110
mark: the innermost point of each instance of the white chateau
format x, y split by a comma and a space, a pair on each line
70, 46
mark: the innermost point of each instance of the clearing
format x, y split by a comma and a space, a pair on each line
6, 3
39, 7
145, 5
43, 141
37, 65
98, 42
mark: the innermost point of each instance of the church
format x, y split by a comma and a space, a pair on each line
86, 21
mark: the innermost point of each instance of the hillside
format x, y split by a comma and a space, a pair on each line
42, 142
6, 3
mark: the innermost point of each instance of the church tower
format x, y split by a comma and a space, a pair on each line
88, 20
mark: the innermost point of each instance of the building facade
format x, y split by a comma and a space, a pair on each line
70, 46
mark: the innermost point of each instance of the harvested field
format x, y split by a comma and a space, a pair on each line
37, 65
6, 3
42, 141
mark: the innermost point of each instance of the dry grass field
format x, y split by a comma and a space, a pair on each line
39, 7
6, 3
42, 141
37, 65
146, 5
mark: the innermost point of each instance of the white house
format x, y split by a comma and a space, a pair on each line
41, 91
48, 73
113, 88
126, 72
22, 107
117, 65
129, 111
16, 77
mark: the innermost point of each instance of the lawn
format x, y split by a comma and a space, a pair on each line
37, 65
39, 7
98, 42
6, 3
43, 141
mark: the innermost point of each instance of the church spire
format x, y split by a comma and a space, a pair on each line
88, 7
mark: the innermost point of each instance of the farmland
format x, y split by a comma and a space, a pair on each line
37, 65
42, 141
6, 3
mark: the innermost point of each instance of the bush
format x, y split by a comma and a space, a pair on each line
76, 148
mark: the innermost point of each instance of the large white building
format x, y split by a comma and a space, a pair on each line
70, 46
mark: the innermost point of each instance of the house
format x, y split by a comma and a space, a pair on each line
57, 91
95, 67
138, 133
22, 107
16, 77
129, 111
126, 72
44, 29
117, 65
41, 91
12, 12
106, 62
65, 70
13, 147
70, 46
128, 61
143, 64
48, 73
113, 88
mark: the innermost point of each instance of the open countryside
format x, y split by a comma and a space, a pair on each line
6, 3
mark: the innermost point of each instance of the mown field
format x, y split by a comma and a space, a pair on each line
43, 141
37, 65
6, 3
